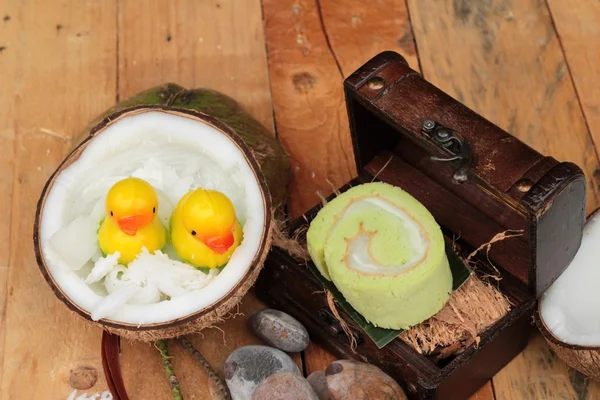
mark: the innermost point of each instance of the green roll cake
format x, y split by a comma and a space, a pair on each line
384, 252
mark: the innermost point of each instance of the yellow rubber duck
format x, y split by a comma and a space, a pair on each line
204, 229
131, 222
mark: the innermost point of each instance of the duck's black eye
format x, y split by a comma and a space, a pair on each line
111, 214
153, 210
193, 233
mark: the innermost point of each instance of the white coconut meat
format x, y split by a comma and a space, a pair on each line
570, 308
175, 154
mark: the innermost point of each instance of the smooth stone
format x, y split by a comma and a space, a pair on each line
319, 384
279, 330
248, 366
285, 386
83, 378
353, 380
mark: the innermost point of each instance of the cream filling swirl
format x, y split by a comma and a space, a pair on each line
360, 256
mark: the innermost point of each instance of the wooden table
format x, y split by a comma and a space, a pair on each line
530, 66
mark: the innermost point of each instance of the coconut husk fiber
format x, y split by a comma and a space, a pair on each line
294, 244
473, 308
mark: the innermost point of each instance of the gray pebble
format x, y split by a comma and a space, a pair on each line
319, 384
248, 366
285, 386
280, 330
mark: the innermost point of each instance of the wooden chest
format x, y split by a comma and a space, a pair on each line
477, 181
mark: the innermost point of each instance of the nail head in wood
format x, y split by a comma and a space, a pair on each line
412, 388
428, 125
375, 83
524, 185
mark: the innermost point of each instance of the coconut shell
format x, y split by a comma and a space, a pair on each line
205, 317
196, 322
584, 359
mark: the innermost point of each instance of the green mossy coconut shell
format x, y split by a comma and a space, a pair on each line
260, 148
404, 288
267, 150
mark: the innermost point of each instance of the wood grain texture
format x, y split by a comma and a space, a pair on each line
308, 60
325, 36
358, 30
485, 393
10, 26
306, 85
68, 50
373, 28
503, 59
313, 45
477, 53
65, 74
143, 374
539, 374
316, 358
214, 44
577, 25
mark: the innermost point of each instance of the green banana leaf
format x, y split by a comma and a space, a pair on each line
381, 336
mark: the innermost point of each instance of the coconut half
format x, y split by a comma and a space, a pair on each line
175, 150
569, 311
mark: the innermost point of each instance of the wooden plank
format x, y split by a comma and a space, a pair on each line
326, 36
10, 26
317, 358
358, 30
485, 393
142, 369
65, 75
308, 60
576, 22
539, 374
306, 85
215, 44
477, 53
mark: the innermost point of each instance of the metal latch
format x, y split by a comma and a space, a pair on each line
459, 150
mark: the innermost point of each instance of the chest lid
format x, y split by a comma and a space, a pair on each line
476, 179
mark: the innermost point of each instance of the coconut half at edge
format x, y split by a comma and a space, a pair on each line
235, 282
568, 314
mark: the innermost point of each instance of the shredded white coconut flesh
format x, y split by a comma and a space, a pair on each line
174, 154
570, 308
103, 266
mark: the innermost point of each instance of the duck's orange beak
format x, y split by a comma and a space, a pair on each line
130, 225
219, 243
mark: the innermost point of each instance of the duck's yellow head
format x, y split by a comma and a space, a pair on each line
132, 203
209, 216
